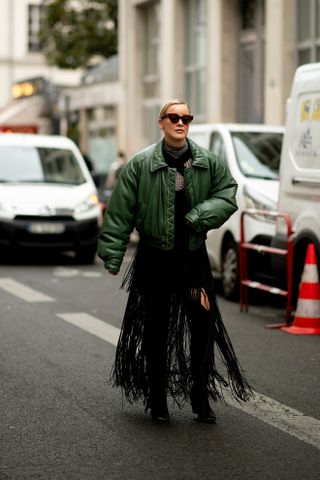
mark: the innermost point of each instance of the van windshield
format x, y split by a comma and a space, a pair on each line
39, 165
258, 153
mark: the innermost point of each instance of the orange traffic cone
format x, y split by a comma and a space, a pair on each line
307, 317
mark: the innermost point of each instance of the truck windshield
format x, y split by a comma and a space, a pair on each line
39, 165
258, 153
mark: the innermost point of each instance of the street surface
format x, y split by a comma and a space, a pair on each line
61, 420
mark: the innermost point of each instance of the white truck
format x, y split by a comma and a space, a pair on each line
299, 188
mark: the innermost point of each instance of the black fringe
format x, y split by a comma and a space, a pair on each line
149, 282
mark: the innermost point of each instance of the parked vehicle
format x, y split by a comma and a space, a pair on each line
111, 179
252, 153
299, 193
47, 196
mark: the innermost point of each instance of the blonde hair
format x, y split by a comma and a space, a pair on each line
168, 104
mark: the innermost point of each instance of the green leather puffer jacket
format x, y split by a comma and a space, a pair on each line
144, 198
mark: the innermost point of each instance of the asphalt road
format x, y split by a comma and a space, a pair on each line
60, 419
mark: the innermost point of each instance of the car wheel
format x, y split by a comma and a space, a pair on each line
230, 271
86, 255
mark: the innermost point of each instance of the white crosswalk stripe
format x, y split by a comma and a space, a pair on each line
22, 291
281, 416
66, 272
93, 325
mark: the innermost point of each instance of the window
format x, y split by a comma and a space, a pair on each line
258, 153
35, 13
151, 54
195, 56
248, 14
251, 61
39, 165
308, 31
151, 42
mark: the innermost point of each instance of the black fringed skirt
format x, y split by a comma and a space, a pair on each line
168, 283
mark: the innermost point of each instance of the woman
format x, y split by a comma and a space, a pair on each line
172, 192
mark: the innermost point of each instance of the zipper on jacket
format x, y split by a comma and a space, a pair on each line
165, 212
187, 183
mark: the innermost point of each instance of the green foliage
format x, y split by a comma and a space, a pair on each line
75, 31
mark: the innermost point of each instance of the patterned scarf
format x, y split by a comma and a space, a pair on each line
179, 158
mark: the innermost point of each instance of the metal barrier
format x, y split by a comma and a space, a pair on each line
246, 283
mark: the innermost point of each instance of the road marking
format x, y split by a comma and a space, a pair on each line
280, 416
92, 274
93, 325
22, 291
66, 272
290, 421
63, 272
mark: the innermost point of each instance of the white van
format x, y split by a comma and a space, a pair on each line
47, 197
252, 153
299, 193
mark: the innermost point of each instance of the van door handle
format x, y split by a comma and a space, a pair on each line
311, 182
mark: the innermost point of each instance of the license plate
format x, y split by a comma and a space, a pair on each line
45, 228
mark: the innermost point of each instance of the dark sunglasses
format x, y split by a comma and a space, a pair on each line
174, 118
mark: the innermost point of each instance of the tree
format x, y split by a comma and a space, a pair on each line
75, 32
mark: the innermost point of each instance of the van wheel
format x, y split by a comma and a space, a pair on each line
230, 271
86, 255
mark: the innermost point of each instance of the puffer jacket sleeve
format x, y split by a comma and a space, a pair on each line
119, 219
221, 204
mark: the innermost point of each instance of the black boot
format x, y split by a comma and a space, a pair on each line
156, 332
158, 405
201, 354
201, 406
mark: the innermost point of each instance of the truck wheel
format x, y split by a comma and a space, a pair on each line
230, 271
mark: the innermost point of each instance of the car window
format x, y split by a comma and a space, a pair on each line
258, 153
217, 146
35, 165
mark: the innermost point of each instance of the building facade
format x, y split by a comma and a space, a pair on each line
90, 114
21, 60
232, 60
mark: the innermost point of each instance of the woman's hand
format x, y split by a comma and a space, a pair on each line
188, 224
